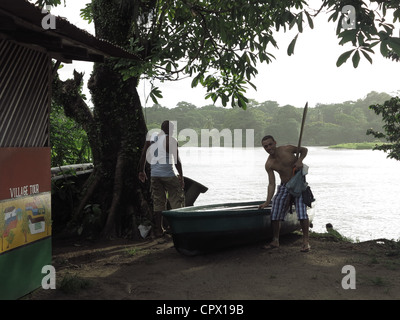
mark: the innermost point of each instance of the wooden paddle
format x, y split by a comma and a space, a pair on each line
290, 197
301, 128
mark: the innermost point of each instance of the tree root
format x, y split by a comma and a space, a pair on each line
109, 228
89, 189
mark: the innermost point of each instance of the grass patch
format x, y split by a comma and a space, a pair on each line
135, 251
356, 146
373, 260
73, 284
331, 235
131, 251
378, 281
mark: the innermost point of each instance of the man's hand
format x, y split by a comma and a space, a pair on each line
299, 164
182, 181
142, 176
263, 205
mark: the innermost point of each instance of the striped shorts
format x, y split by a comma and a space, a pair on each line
280, 208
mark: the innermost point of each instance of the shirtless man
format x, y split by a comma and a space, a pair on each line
283, 159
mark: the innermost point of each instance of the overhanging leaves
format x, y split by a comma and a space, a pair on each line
356, 59
292, 44
227, 38
390, 112
343, 57
180, 38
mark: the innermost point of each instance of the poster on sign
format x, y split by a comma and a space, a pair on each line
25, 196
24, 220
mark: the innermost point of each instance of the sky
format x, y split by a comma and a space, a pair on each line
310, 75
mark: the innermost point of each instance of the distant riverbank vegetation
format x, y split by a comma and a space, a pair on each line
357, 146
326, 124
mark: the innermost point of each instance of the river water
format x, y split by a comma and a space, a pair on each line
357, 191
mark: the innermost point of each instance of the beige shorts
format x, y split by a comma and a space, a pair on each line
160, 186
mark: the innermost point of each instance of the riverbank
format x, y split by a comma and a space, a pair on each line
356, 145
149, 270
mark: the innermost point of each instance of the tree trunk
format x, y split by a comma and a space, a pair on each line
117, 132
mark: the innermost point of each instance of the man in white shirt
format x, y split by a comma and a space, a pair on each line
161, 151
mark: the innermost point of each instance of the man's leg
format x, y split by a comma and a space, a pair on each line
159, 200
176, 197
301, 209
305, 225
276, 228
278, 212
158, 229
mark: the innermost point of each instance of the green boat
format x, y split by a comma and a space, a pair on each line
201, 229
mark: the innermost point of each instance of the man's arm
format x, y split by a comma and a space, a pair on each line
302, 153
142, 162
172, 147
178, 166
271, 187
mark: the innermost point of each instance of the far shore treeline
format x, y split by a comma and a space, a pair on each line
326, 124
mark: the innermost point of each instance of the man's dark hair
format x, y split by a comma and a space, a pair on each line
165, 126
267, 137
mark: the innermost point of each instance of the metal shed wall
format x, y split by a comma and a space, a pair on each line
25, 188
24, 96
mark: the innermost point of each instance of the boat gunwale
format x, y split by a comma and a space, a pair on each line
220, 210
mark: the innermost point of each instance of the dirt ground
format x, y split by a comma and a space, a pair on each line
149, 270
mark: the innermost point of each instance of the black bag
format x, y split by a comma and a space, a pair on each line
308, 196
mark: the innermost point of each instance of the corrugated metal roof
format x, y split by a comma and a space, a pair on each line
22, 21
24, 96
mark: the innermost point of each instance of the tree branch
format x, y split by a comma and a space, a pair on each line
67, 94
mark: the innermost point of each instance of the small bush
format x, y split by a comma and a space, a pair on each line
73, 284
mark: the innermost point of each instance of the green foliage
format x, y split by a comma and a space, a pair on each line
331, 235
72, 284
42, 3
154, 94
371, 28
390, 111
326, 124
93, 221
69, 142
338, 236
218, 43
357, 146
86, 13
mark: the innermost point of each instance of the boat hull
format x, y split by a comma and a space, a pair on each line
202, 229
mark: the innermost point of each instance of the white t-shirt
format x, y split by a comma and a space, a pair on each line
160, 160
